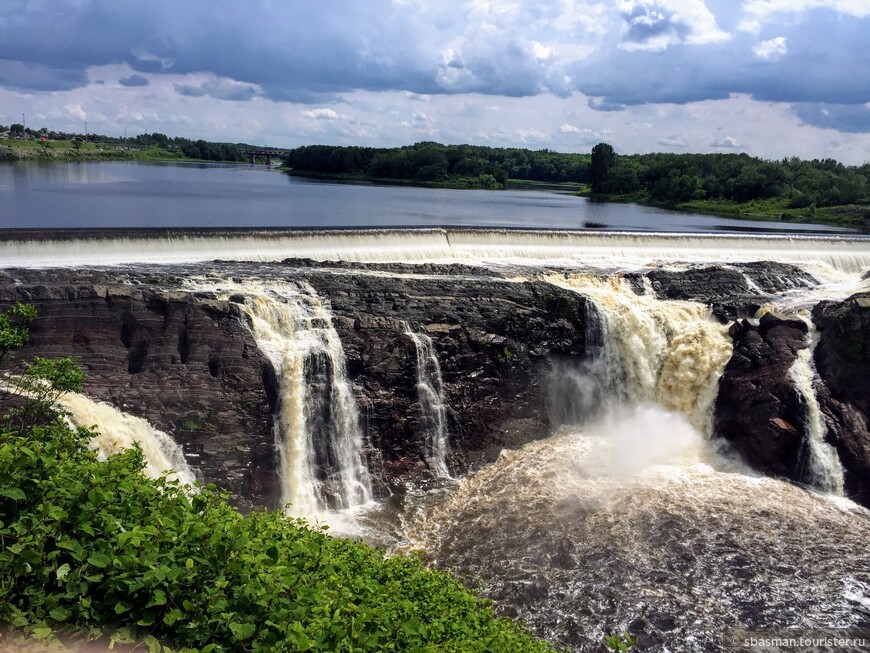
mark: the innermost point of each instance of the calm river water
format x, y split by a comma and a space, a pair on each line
166, 195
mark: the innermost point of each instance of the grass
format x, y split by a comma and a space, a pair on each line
32, 150
774, 209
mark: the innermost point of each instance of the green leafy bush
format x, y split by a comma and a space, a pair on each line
89, 548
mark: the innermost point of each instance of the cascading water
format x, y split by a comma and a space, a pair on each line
821, 464
670, 352
117, 431
317, 427
430, 395
635, 519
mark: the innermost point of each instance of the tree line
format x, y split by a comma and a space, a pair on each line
661, 177
198, 149
434, 162
193, 149
677, 178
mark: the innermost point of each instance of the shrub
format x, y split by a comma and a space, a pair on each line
90, 548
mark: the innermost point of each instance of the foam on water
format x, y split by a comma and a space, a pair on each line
117, 431
599, 249
636, 521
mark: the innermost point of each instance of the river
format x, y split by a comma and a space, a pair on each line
635, 517
136, 195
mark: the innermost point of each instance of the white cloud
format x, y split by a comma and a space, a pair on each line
760, 12
672, 142
541, 51
321, 114
763, 8
726, 143
76, 111
654, 25
771, 49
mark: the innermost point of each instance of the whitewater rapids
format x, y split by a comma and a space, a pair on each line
638, 522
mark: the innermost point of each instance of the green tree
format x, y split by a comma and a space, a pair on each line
599, 169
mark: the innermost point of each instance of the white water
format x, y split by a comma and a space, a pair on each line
317, 426
117, 431
822, 466
670, 352
430, 395
629, 250
636, 521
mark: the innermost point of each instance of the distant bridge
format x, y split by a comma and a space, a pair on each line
268, 154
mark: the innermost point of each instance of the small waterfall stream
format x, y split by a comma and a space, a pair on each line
117, 431
317, 423
430, 395
820, 461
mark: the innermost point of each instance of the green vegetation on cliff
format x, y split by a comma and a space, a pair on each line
91, 549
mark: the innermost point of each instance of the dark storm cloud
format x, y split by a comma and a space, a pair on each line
220, 90
601, 105
340, 46
133, 81
28, 76
644, 51
823, 59
850, 118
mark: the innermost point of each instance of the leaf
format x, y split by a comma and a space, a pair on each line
100, 560
172, 617
42, 633
243, 631
60, 614
153, 644
14, 493
62, 571
159, 598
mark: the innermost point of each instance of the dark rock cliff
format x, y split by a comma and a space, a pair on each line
185, 364
762, 414
758, 409
843, 360
186, 361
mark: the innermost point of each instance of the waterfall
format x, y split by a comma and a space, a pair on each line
430, 395
606, 250
117, 431
317, 426
669, 352
821, 466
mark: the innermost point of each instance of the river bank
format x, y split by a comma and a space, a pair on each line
852, 216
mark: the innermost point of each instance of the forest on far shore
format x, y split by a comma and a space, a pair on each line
736, 184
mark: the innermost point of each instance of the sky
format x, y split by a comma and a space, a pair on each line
773, 78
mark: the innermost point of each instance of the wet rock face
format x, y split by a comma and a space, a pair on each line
758, 408
494, 341
187, 362
761, 413
843, 359
731, 292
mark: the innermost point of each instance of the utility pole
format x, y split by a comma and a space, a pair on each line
86, 130
23, 124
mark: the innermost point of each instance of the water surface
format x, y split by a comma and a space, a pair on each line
171, 195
